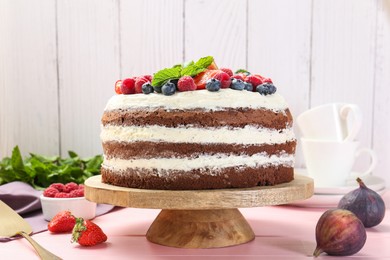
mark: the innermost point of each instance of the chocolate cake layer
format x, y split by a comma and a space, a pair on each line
129, 150
238, 117
232, 177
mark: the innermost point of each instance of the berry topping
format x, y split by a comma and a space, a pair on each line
224, 78
213, 85
157, 89
148, 77
168, 89
139, 81
266, 89
147, 88
50, 192
237, 84
255, 80
128, 86
248, 86
228, 71
241, 76
186, 83
118, 85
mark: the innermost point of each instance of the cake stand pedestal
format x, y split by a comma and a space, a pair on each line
199, 218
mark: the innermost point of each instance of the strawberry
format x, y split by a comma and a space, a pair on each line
223, 77
139, 81
212, 66
201, 78
87, 233
63, 221
127, 86
118, 85
228, 71
186, 83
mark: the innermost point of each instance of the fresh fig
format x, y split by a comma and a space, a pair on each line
339, 232
365, 203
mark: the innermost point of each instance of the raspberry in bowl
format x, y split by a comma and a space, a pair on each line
70, 196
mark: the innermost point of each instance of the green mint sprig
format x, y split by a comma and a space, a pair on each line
41, 171
242, 71
176, 72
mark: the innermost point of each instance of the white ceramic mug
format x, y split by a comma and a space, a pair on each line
334, 122
330, 163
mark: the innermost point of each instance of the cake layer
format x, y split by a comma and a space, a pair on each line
200, 99
145, 149
209, 164
160, 116
232, 177
226, 135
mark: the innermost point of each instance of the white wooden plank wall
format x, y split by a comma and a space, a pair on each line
59, 60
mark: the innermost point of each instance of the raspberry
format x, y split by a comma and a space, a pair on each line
128, 86
81, 186
70, 186
118, 85
228, 71
255, 80
148, 77
62, 195
77, 193
224, 78
186, 83
50, 192
58, 186
138, 84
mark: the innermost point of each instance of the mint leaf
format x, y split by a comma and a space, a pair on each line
242, 71
177, 71
16, 159
162, 76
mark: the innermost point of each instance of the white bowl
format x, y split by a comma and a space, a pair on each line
79, 207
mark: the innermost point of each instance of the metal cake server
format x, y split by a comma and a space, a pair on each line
12, 224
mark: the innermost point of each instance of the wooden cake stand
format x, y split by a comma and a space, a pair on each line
199, 218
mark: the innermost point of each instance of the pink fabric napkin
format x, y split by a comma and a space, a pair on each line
24, 199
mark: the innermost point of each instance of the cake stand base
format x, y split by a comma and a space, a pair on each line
199, 218
200, 228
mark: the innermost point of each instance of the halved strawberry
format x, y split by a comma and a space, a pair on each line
212, 66
201, 78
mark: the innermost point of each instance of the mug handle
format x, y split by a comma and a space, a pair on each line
357, 120
374, 160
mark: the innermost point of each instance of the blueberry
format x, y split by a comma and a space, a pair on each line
248, 86
147, 88
213, 85
157, 89
237, 84
168, 89
266, 89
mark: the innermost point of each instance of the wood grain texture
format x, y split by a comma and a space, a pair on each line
216, 28
381, 109
28, 77
151, 36
88, 40
200, 228
342, 56
300, 188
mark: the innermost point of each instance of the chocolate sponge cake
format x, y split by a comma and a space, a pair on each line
197, 140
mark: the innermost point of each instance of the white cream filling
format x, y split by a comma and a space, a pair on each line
154, 133
204, 99
213, 162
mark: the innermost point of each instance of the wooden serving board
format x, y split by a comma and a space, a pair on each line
300, 188
199, 218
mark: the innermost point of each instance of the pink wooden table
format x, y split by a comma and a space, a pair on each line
282, 232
